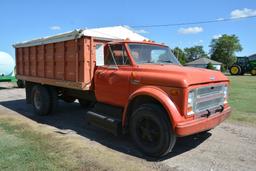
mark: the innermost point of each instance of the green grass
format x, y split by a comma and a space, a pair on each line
243, 98
22, 149
26, 146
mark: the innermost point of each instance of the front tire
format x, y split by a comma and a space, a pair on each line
235, 70
151, 130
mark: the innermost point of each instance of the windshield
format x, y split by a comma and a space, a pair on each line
152, 54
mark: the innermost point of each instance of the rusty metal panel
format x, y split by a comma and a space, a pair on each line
32, 58
49, 61
81, 59
26, 61
19, 61
87, 66
40, 61
68, 63
70, 52
59, 60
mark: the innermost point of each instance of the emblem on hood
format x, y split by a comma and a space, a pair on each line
212, 78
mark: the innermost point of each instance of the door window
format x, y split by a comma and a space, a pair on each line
116, 55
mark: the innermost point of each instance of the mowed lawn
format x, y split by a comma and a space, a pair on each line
242, 98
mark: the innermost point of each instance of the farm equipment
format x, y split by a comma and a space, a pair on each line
244, 65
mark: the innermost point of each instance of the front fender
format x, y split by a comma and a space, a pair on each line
159, 95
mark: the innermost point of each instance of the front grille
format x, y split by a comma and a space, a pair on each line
209, 97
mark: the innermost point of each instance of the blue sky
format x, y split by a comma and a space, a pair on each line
28, 19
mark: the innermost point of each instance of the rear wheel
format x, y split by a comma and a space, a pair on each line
41, 100
235, 70
20, 83
253, 72
151, 130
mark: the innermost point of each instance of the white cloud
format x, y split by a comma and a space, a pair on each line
216, 36
220, 19
240, 13
190, 30
55, 27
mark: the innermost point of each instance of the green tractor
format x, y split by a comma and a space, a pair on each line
244, 65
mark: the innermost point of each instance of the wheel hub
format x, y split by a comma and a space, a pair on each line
148, 132
234, 70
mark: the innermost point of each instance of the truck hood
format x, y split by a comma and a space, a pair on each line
176, 75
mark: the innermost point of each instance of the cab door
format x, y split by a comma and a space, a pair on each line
112, 80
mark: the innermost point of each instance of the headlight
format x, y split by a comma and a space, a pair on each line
191, 100
225, 91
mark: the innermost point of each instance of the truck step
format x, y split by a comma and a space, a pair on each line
108, 123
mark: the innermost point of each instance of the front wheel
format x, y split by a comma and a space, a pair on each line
151, 131
235, 70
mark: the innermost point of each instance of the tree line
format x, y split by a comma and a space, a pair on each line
222, 49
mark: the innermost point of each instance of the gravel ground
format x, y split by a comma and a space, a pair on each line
227, 147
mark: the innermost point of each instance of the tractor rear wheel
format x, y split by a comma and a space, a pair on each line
253, 72
235, 70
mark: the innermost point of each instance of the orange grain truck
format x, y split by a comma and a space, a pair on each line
130, 86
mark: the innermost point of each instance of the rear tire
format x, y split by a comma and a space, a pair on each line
41, 100
151, 130
20, 83
253, 72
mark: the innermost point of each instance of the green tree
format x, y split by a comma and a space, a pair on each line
194, 53
223, 49
210, 66
180, 55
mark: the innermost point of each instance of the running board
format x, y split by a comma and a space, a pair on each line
108, 123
